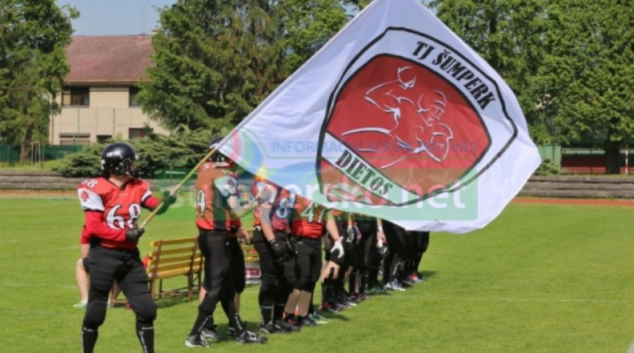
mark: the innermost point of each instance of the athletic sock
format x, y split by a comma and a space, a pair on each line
267, 314
145, 333
278, 311
89, 339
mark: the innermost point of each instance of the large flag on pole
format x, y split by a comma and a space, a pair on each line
397, 118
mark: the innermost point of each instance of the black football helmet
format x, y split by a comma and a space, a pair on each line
118, 159
217, 157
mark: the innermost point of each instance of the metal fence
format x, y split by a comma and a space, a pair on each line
11, 153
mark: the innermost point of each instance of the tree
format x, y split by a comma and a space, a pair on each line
215, 61
183, 149
33, 35
588, 73
508, 34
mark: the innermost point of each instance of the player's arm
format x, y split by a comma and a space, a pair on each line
331, 227
380, 234
265, 221
228, 190
266, 212
244, 235
336, 251
150, 202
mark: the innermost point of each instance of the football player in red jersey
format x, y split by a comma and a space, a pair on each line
112, 204
277, 259
308, 223
218, 213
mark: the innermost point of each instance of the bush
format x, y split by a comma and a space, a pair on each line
156, 152
548, 168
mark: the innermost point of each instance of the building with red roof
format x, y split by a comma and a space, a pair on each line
99, 97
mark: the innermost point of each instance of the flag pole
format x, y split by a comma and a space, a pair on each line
180, 185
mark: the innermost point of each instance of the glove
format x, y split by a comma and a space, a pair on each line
263, 195
280, 248
337, 253
168, 200
133, 234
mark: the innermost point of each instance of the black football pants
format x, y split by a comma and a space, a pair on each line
125, 266
308, 263
422, 243
218, 282
278, 275
398, 244
237, 266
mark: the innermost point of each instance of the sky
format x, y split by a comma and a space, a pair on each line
115, 17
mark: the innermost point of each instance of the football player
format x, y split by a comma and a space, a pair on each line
307, 225
112, 205
277, 259
218, 213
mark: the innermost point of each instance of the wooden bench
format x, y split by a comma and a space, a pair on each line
182, 257
174, 258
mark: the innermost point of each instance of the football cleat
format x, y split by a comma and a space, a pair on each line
288, 326
306, 321
376, 290
273, 328
196, 341
320, 320
330, 306
211, 334
407, 283
395, 286
233, 332
250, 337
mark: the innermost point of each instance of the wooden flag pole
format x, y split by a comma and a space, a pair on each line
180, 185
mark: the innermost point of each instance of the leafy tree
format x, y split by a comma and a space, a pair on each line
217, 60
588, 73
156, 152
308, 25
508, 34
33, 35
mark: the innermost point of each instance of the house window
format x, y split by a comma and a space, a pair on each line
135, 133
134, 91
74, 139
103, 138
76, 96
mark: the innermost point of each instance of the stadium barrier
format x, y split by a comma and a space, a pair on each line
538, 186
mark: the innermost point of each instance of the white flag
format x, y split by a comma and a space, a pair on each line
397, 118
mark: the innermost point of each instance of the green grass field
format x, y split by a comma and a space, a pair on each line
541, 278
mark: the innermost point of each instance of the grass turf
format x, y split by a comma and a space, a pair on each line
541, 278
